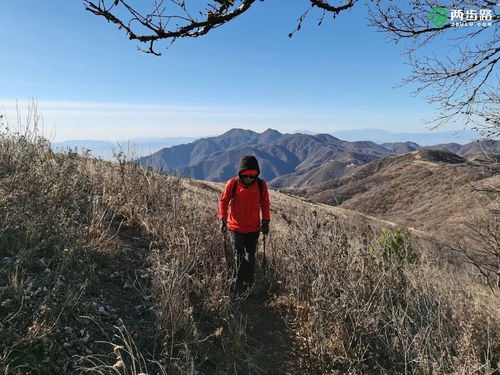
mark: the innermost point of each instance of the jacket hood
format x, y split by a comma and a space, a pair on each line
248, 162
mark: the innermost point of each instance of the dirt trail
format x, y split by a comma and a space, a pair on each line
269, 342
267, 333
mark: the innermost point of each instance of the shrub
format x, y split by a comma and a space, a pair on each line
395, 248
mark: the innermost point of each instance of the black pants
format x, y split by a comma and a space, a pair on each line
245, 247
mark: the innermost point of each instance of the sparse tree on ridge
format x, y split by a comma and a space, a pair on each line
464, 85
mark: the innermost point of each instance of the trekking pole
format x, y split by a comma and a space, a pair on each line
264, 258
224, 236
228, 254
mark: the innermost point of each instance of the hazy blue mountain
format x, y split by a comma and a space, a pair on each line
135, 147
423, 139
401, 147
93, 145
475, 147
304, 132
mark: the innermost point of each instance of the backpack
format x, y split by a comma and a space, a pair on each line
235, 185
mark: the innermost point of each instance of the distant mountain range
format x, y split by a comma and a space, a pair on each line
146, 146
401, 147
279, 155
468, 149
423, 139
286, 160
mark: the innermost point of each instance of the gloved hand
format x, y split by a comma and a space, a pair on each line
264, 226
223, 225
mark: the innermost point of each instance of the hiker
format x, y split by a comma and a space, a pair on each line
243, 199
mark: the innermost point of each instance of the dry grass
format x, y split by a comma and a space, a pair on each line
113, 269
363, 309
362, 296
91, 248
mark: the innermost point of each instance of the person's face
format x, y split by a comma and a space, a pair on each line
248, 178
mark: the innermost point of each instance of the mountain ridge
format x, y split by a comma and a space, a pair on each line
414, 189
286, 160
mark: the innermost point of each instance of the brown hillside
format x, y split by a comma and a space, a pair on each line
432, 190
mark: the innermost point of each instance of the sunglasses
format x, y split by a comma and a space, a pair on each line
252, 176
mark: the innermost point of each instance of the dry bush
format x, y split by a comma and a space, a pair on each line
479, 245
367, 302
47, 227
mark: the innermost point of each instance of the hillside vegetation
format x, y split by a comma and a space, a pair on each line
110, 268
432, 190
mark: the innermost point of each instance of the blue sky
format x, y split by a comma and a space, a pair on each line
90, 81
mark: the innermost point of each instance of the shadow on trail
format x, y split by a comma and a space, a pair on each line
267, 334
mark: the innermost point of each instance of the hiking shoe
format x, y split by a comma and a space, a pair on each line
242, 291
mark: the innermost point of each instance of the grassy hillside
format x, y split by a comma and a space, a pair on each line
430, 190
113, 269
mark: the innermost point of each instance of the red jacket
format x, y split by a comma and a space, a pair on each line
243, 212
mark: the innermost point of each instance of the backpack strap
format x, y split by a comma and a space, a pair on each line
261, 187
235, 185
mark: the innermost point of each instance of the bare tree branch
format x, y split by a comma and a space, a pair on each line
480, 244
331, 8
152, 25
462, 80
